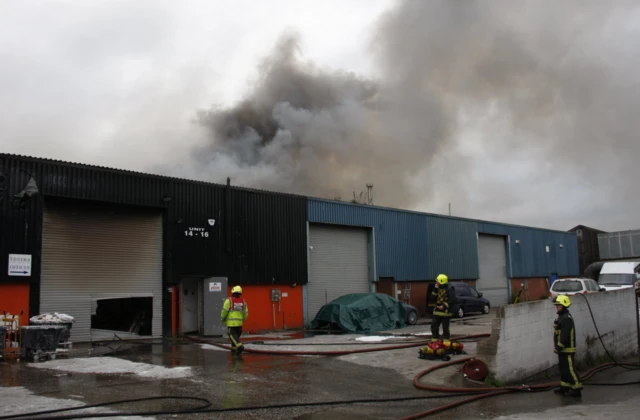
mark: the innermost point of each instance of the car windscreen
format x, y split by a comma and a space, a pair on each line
619, 279
567, 286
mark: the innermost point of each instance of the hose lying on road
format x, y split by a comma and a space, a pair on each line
474, 393
332, 352
206, 402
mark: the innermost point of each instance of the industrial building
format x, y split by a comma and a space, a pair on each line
143, 254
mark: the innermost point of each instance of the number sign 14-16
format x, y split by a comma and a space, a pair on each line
198, 232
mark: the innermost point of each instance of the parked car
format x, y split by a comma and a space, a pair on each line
411, 314
619, 275
469, 300
572, 286
365, 313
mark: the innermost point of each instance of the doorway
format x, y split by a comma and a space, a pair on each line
190, 304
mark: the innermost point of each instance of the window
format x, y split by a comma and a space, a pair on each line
567, 286
594, 285
617, 279
462, 291
474, 292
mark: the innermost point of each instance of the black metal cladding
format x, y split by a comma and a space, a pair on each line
258, 237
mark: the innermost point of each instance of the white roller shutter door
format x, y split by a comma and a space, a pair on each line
339, 264
93, 252
493, 282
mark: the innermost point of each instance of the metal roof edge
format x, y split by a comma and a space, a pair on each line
442, 216
143, 174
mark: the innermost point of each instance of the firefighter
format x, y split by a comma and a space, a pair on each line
442, 312
564, 344
234, 314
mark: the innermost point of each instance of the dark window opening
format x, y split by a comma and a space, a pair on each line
131, 315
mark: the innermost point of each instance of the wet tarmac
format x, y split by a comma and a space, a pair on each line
195, 370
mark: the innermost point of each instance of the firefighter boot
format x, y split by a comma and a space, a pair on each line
576, 393
561, 391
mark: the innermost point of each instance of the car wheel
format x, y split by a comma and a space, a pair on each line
486, 309
412, 318
460, 312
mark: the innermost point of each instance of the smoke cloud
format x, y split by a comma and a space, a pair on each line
483, 104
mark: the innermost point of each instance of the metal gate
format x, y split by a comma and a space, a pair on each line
339, 264
493, 282
94, 251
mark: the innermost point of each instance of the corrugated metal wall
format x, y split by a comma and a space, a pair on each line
400, 237
529, 258
258, 237
417, 246
453, 248
618, 245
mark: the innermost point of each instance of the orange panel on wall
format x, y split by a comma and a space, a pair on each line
14, 297
261, 309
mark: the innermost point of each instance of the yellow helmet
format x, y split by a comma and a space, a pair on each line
563, 300
236, 289
442, 279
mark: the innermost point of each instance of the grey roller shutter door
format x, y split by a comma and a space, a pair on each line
493, 282
339, 264
93, 253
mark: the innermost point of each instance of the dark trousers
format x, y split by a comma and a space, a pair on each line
568, 376
435, 327
234, 337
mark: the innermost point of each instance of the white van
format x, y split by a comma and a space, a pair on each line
619, 275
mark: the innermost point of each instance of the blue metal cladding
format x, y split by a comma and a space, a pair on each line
453, 247
400, 236
529, 257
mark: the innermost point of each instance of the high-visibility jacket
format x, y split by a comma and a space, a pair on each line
444, 297
564, 335
234, 312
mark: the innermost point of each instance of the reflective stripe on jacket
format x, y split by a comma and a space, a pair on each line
565, 333
234, 312
444, 298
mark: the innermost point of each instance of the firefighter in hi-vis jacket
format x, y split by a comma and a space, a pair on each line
564, 343
234, 313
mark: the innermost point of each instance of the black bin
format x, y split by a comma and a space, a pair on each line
42, 337
3, 331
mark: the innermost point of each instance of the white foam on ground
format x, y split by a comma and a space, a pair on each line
114, 365
210, 347
373, 338
19, 400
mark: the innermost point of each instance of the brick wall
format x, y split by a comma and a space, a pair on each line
521, 338
533, 288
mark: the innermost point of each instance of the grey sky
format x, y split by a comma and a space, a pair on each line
521, 112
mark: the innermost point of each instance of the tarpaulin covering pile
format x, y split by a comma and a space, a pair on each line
361, 313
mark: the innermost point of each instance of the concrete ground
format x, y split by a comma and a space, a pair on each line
192, 369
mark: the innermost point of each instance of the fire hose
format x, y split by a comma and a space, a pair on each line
474, 393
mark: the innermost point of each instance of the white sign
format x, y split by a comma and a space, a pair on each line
196, 231
212, 222
285, 294
215, 287
20, 265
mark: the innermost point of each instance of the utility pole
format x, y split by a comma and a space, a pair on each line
449, 209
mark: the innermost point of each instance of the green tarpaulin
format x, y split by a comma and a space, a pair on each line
361, 313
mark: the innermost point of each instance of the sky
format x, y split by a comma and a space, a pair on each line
520, 112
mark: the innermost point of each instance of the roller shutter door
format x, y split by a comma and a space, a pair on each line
493, 282
339, 264
92, 252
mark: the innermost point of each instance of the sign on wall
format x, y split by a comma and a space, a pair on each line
20, 265
199, 232
215, 287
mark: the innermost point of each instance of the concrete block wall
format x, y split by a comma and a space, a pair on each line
521, 342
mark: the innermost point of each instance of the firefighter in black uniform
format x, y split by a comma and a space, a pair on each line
564, 343
443, 311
